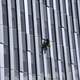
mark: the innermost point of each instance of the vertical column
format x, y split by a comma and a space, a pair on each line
76, 30
43, 11
64, 18
2, 76
29, 34
66, 51
77, 41
67, 55
20, 39
11, 40
4, 40
60, 45
53, 45
37, 33
78, 4
64, 38
44, 26
75, 16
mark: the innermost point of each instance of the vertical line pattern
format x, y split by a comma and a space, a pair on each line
55, 20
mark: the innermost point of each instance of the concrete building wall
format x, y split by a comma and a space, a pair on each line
39, 40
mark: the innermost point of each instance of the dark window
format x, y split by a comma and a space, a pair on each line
5, 36
6, 57
22, 5
30, 24
56, 66
6, 73
46, 29
38, 24
25, 62
23, 25
16, 58
33, 64
48, 65
41, 64
13, 3
63, 69
4, 15
15, 38
24, 41
4, 2
14, 18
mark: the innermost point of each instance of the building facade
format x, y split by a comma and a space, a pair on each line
39, 39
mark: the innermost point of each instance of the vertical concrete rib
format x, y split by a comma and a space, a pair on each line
25, 25
64, 18
20, 39
65, 39
53, 46
44, 25
37, 32
59, 39
77, 41
75, 16
63, 21
28, 15
78, 4
52, 42
76, 30
11, 41
67, 55
2, 76
66, 49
